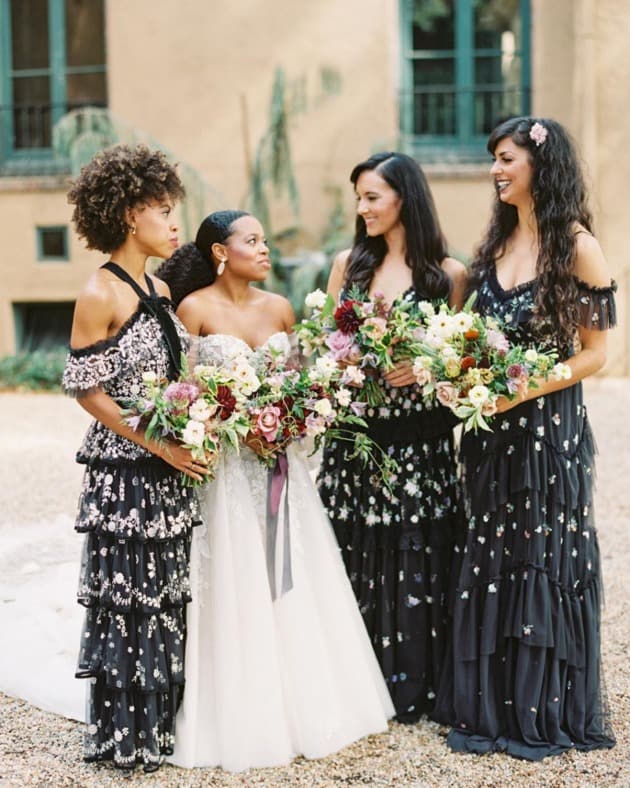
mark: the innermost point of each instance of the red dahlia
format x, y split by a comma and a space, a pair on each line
226, 400
347, 320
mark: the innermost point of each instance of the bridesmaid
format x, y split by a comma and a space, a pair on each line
397, 546
135, 509
526, 676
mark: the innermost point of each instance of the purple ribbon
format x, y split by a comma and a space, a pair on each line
277, 477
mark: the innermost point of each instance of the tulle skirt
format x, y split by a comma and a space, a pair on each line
268, 679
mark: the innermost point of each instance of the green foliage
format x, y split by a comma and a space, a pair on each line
40, 370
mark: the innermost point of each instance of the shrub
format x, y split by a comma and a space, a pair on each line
39, 370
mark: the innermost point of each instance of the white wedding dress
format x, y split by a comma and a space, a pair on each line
267, 679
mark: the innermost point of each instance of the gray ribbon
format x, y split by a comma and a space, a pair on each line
277, 479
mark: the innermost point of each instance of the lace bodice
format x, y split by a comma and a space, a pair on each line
220, 349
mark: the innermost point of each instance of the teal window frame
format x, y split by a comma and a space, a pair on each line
57, 70
464, 144
42, 257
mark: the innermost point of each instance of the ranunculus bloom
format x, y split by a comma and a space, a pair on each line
193, 433
468, 362
497, 340
268, 422
149, 376
201, 411
323, 407
452, 367
316, 299
446, 394
376, 327
478, 395
353, 376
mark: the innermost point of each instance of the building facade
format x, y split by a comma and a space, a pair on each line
226, 87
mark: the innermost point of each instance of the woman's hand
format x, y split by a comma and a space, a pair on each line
182, 460
401, 375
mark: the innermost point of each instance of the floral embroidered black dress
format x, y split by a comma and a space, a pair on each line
137, 516
397, 546
525, 676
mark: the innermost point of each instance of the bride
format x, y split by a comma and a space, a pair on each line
268, 677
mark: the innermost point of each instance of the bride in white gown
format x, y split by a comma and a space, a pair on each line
266, 679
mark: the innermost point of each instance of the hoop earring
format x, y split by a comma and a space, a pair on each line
221, 267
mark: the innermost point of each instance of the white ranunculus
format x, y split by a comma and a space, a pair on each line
316, 299
193, 433
343, 397
200, 410
323, 407
478, 395
427, 308
149, 377
531, 355
326, 365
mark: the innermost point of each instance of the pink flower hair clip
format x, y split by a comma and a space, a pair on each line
538, 133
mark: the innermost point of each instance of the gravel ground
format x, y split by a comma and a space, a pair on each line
39, 436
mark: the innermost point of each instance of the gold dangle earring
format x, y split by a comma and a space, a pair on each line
221, 266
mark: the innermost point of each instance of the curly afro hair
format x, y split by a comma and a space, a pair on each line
115, 180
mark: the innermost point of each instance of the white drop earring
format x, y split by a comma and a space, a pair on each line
221, 267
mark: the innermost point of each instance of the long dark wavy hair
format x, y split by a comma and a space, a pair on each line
426, 245
560, 200
192, 266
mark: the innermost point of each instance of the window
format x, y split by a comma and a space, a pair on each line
52, 60
465, 67
52, 244
42, 325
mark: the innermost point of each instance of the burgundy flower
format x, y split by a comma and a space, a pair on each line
347, 320
226, 400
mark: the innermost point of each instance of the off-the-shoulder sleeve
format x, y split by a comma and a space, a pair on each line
88, 368
597, 306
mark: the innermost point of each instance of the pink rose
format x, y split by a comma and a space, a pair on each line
268, 422
342, 346
376, 327
498, 341
446, 394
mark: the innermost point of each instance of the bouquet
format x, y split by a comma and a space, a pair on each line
296, 402
467, 362
204, 410
364, 332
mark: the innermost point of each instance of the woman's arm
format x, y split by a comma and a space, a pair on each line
338, 274
591, 268
458, 274
93, 316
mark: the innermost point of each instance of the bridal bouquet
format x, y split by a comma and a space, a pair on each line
364, 332
323, 400
204, 410
467, 362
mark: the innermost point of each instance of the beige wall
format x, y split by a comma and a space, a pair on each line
196, 76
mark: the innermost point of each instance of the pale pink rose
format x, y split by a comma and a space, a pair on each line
446, 394
342, 346
423, 376
376, 327
268, 422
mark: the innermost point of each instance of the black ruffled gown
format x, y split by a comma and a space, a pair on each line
525, 676
397, 546
137, 516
